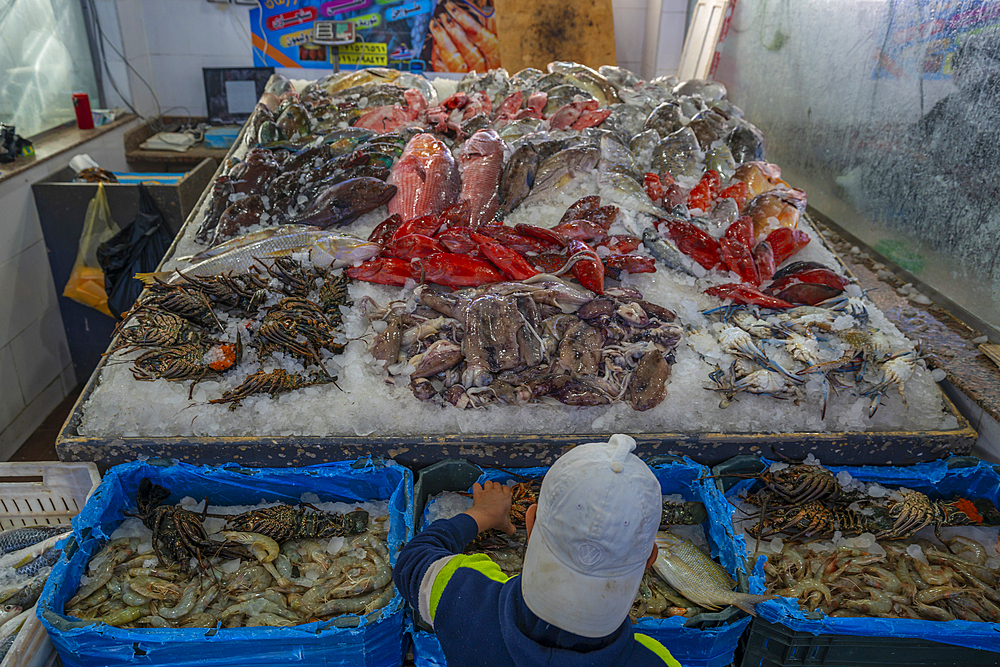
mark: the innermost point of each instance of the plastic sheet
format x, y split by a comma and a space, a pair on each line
705, 641
957, 476
377, 641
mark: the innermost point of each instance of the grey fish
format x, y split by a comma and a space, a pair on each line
410, 80
676, 154
642, 145
665, 119
9, 611
618, 76
564, 94
519, 128
561, 168
618, 159
6, 643
494, 82
518, 177
19, 538
588, 79
345, 202
697, 577
28, 594
47, 559
665, 251
706, 89
721, 160
746, 142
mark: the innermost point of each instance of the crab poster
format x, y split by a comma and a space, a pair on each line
390, 33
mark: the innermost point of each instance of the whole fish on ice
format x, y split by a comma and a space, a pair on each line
697, 577
426, 179
345, 202
482, 164
326, 249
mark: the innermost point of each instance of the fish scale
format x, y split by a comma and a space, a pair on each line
697, 577
19, 538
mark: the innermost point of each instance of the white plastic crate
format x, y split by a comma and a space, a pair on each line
39, 493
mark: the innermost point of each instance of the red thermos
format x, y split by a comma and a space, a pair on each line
81, 104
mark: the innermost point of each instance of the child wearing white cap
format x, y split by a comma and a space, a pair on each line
590, 538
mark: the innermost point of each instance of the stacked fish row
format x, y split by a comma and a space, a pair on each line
26, 558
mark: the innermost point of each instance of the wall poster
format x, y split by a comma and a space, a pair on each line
415, 35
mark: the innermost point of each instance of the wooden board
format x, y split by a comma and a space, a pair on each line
702, 39
533, 33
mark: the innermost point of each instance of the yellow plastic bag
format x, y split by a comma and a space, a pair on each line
86, 282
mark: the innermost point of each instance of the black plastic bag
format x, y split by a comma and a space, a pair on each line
138, 248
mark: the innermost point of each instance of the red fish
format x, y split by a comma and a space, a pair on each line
426, 177
482, 166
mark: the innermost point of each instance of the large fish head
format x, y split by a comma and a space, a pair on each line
334, 251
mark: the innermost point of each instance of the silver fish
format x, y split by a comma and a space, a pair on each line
325, 249
26, 596
518, 177
561, 168
19, 538
676, 154
697, 577
618, 159
9, 611
721, 160
244, 240
665, 251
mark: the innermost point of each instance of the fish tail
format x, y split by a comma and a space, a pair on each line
149, 279
748, 602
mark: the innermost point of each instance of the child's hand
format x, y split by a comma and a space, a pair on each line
491, 507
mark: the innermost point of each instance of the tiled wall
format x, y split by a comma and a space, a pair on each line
633, 22
36, 372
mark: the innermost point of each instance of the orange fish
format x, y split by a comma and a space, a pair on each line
482, 165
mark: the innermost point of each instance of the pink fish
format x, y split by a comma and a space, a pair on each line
482, 166
426, 178
394, 116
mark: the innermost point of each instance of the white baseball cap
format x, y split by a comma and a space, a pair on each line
598, 512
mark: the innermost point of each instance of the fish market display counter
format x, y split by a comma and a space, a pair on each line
316, 346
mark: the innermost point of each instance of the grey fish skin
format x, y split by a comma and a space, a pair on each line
340, 204
626, 193
28, 596
518, 178
19, 538
664, 251
6, 643
563, 167
47, 559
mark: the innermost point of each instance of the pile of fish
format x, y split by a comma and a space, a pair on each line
513, 188
274, 566
26, 559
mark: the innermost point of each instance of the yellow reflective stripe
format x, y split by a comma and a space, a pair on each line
479, 562
657, 648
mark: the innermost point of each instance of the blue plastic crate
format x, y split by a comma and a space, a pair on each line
955, 476
708, 640
377, 641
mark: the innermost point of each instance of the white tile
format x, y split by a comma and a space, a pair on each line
28, 291
11, 401
180, 82
628, 4
68, 379
20, 229
629, 31
668, 57
12, 437
674, 6
133, 30
40, 353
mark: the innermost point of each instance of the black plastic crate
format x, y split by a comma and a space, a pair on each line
772, 645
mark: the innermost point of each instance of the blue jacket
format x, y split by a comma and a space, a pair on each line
480, 617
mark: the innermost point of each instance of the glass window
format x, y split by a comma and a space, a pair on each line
44, 59
888, 115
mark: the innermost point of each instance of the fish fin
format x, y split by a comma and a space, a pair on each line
151, 278
748, 603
